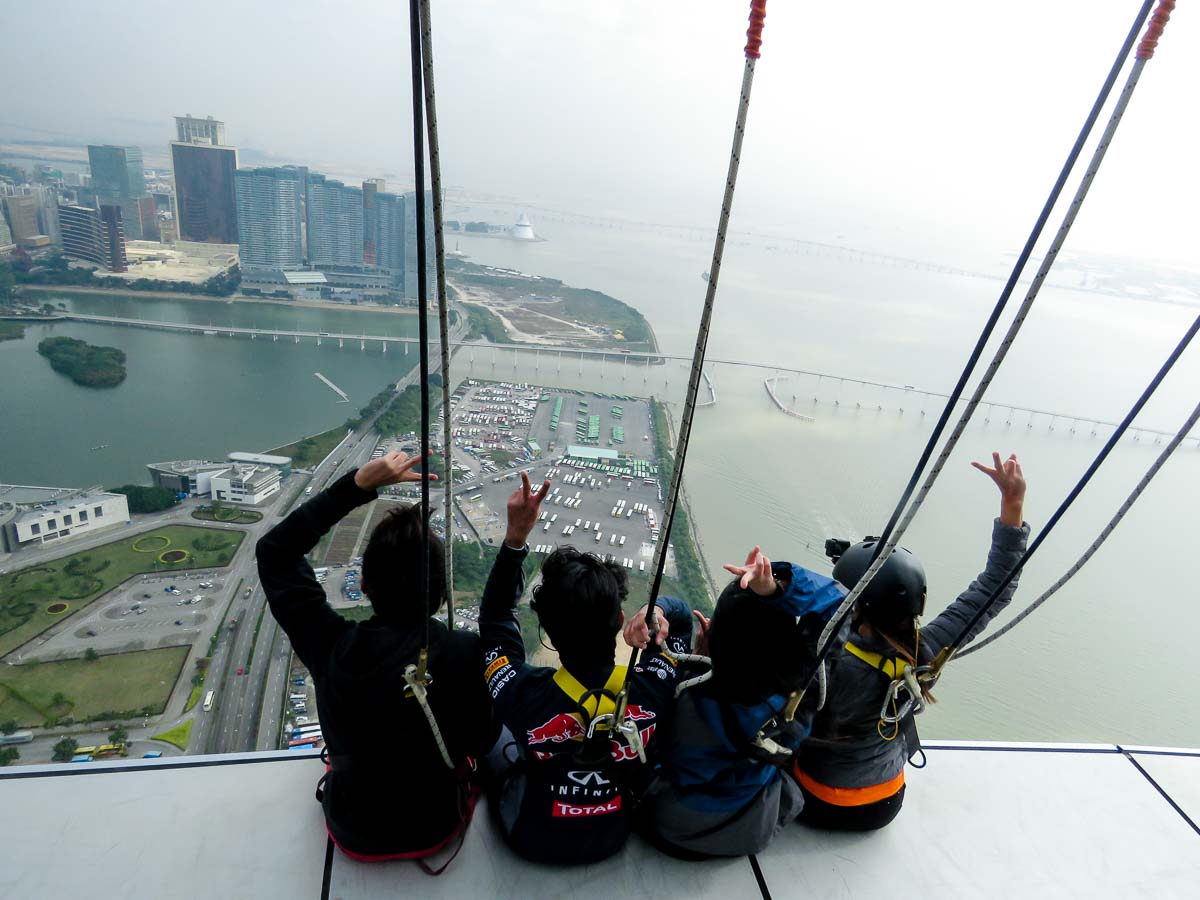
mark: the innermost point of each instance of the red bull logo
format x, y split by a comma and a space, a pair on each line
560, 729
567, 727
637, 714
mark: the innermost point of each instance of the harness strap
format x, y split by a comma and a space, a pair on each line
593, 703
893, 668
418, 688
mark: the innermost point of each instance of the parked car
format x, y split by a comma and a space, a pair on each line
179, 621
145, 596
241, 670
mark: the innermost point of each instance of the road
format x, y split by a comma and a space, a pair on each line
246, 715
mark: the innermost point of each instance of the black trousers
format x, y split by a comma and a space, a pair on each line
868, 817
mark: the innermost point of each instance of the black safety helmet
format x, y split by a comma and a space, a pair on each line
896, 591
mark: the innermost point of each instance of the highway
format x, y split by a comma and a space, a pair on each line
246, 713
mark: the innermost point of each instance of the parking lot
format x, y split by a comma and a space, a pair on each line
597, 451
140, 615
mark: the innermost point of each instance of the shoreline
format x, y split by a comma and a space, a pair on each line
208, 298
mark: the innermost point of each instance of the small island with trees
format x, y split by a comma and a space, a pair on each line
84, 363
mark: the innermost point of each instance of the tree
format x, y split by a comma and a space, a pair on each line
144, 499
8, 756
59, 699
119, 735
8, 726
90, 654
65, 749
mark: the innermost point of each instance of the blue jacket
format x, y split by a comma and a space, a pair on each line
716, 799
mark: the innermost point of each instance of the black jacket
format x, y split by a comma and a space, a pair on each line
396, 794
553, 809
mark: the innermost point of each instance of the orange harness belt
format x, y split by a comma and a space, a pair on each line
849, 796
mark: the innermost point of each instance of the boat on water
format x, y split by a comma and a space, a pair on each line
456, 253
100, 447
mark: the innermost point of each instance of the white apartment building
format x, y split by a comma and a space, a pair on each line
245, 484
32, 515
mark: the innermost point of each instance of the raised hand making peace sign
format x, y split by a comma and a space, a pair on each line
523, 507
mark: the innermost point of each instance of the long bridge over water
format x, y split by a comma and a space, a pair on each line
900, 398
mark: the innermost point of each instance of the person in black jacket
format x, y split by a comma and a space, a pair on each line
390, 792
568, 796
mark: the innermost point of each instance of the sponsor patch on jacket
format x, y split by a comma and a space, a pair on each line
562, 810
498, 663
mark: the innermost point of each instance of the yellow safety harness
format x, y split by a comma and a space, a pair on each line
601, 705
891, 667
894, 669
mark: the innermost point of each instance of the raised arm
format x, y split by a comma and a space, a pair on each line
296, 598
503, 649
1009, 537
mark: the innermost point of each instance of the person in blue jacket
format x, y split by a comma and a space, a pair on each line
725, 790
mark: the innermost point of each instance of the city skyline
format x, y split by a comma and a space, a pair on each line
940, 156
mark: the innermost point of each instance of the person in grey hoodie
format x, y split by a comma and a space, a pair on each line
851, 768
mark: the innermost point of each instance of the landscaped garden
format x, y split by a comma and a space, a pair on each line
33, 599
179, 735
114, 686
230, 515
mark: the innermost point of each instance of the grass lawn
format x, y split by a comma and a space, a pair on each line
179, 735
309, 451
355, 613
194, 696
112, 684
230, 515
78, 579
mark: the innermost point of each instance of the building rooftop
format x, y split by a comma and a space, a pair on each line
591, 453
305, 278
980, 820
31, 495
262, 459
187, 466
251, 476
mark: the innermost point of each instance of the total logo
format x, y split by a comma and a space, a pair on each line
562, 810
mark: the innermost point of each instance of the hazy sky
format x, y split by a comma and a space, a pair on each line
928, 128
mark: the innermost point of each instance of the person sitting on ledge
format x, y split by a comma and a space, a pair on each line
851, 769
394, 789
569, 770
726, 787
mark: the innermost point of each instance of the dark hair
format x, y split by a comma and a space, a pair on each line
757, 648
578, 603
392, 571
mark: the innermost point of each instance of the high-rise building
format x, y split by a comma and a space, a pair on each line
117, 172
201, 131
147, 214
22, 212
94, 235
370, 189
389, 234
119, 176
334, 213
268, 217
205, 196
7, 245
410, 245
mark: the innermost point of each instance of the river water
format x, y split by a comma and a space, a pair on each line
1103, 661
